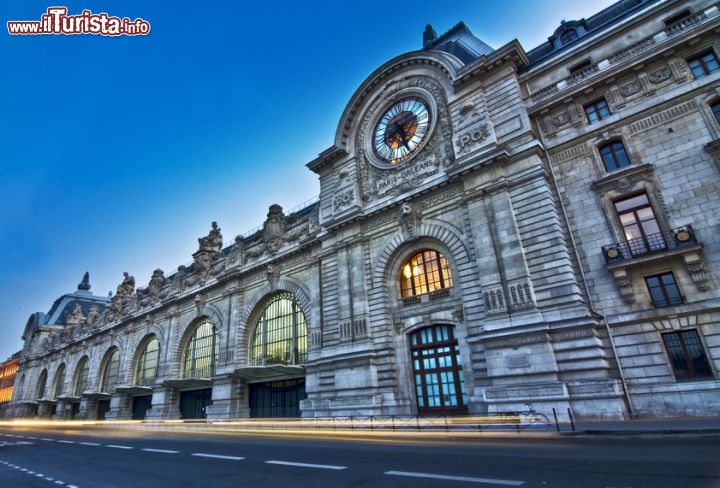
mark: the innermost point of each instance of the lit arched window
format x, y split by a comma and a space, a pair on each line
81, 376
42, 384
110, 374
202, 352
425, 272
281, 333
147, 366
59, 380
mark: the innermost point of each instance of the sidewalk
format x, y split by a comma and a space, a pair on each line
682, 425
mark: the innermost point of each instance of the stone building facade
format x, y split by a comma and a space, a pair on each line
495, 227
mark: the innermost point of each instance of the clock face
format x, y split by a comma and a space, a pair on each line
401, 129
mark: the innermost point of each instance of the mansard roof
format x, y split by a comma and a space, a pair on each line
589, 27
458, 41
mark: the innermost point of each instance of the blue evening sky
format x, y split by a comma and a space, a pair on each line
116, 154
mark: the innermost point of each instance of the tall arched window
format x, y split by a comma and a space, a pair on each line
281, 333
42, 384
202, 352
425, 272
59, 381
147, 367
110, 374
81, 376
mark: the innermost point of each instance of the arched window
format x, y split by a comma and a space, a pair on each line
110, 374
81, 376
59, 381
568, 36
147, 367
202, 352
281, 333
425, 272
42, 384
614, 156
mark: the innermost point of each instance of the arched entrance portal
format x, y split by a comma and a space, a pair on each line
437, 371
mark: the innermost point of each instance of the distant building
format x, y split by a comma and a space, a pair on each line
8, 371
495, 227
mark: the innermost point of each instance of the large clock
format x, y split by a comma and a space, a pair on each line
401, 129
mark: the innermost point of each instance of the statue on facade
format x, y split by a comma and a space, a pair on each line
76, 316
213, 241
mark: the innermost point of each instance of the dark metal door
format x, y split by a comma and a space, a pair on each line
277, 399
102, 409
140, 406
193, 403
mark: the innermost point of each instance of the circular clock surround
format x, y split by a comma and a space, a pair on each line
402, 129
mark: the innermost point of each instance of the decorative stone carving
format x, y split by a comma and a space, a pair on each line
236, 254
76, 316
630, 88
120, 303
200, 300
471, 130
272, 273
410, 218
696, 267
213, 241
560, 119
93, 315
155, 291
660, 75
624, 284
277, 230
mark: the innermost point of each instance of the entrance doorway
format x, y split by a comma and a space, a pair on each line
439, 382
277, 399
140, 406
193, 403
102, 409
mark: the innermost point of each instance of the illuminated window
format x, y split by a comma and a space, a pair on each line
81, 376
281, 333
614, 156
640, 226
703, 64
202, 352
59, 381
111, 372
687, 355
147, 367
42, 384
425, 272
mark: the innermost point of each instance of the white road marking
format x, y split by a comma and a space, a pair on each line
217, 456
67, 442
306, 465
115, 446
89, 444
456, 478
47, 439
166, 451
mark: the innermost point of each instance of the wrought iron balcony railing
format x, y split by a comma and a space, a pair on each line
650, 244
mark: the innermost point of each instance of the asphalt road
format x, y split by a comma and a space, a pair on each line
124, 458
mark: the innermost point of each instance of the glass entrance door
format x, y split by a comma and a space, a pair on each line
439, 383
